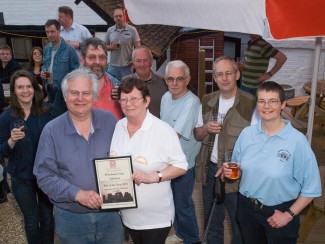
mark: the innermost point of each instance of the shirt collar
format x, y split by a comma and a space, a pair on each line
71, 129
284, 133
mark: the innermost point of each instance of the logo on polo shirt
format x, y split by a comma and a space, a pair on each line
284, 155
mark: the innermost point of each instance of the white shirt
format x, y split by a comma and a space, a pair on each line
224, 106
154, 147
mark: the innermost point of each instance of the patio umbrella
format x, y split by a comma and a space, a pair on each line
286, 19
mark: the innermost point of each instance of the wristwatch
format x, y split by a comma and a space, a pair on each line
160, 176
290, 212
270, 73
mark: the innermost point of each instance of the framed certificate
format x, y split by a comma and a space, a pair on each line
114, 182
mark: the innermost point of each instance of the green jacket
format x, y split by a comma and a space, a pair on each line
237, 118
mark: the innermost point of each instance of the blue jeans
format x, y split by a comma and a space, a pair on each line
37, 211
185, 222
88, 228
119, 72
255, 228
248, 89
216, 231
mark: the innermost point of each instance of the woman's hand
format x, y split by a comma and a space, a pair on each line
225, 172
16, 135
147, 178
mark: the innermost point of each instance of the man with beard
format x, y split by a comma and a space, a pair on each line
94, 58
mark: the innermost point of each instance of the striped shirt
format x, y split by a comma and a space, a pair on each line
257, 57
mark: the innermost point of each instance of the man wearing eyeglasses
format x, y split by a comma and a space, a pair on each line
94, 57
217, 138
180, 108
142, 61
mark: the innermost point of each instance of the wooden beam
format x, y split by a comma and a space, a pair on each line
201, 74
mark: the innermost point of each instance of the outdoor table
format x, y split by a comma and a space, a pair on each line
296, 103
320, 90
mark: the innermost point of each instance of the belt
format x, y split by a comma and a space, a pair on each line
256, 202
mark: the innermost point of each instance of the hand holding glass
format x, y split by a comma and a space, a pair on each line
46, 72
19, 124
219, 117
232, 159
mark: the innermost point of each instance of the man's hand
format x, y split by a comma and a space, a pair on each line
90, 199
213, 127
279, 219
263, 78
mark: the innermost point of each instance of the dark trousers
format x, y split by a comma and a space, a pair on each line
253, 217
37, 211
152, 236
216, 230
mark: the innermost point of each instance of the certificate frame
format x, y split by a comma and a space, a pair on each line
114, 182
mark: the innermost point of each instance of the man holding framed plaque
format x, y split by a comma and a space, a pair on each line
64, 164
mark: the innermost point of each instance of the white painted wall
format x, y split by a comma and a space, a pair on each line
37, 12
298, 68
300, 63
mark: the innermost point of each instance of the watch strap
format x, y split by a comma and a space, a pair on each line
290, 212
160, 176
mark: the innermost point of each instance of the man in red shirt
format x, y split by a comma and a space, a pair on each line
94, 57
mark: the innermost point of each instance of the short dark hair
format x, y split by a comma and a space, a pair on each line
95, 42
53, 22
6, 47
271, 86
66, 10
37, 104
131, 82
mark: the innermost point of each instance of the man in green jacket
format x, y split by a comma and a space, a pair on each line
233, 110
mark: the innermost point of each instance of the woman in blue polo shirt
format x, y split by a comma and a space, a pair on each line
279, 173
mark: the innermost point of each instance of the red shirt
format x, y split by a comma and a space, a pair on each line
105, 101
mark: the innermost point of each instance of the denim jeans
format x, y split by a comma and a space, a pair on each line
255, 228
119, 72
88, 228
216, 231
37, 211
185, 222
248, 89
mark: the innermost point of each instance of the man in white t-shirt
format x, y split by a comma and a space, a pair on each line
222, 117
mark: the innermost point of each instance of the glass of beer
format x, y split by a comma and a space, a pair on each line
232, 159
46, 72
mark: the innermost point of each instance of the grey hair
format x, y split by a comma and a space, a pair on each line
234, 64
80, 72
178, 64
142, 47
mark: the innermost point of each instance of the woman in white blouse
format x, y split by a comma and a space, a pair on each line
157, 157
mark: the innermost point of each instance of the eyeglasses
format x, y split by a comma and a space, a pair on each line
179, 79
271, 102
132, 100
220, 75
37, 54
94, 57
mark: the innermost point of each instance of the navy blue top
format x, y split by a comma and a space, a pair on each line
22, 156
